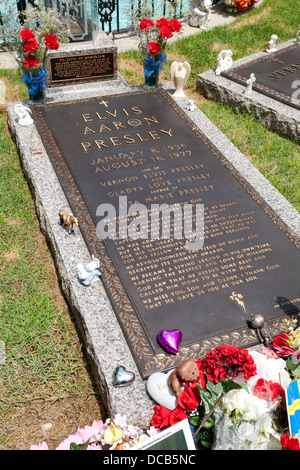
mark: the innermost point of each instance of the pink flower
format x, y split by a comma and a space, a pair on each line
94, 446
40, 446
269, 353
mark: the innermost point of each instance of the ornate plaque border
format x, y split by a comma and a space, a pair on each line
141, 350
233, 74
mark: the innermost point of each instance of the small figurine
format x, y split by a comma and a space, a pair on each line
192, 106
180, 72
298, 37
201, 15
23, 115
256, 322
187, 372
65, 218
224, 61
271, 45
87, 274
249, 83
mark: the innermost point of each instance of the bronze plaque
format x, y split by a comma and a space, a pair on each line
276, 74
68, 68
140, 148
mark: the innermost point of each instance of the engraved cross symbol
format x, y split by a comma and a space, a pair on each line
105, 103
277, 60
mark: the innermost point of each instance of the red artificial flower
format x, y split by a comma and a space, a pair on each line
27, 35
145, 25
166, 32
190, 398
177, 415
161, 417
228, 362
30, 46
289, 443
51, 41
161, 23
30, 61
175, 25
154, 48
268, 390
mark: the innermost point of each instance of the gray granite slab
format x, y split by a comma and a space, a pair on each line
276, 116
104, 341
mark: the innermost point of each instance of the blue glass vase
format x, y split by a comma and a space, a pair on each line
152, 70
36, 81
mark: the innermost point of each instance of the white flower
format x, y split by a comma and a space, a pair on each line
249, 405
267, 368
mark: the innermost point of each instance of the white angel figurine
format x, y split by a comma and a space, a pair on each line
271, 45
180, 72
23, 115
202, 15
224, 61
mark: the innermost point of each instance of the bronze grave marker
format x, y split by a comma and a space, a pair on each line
275, 75
140, 148
79, 67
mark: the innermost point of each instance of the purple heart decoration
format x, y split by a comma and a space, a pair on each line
169, 340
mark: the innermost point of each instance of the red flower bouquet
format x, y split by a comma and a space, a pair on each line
153, 41
228, 362
242, 4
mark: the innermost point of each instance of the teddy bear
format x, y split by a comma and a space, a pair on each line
186, 372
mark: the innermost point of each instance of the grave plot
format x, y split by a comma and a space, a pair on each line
274, 99
118, 159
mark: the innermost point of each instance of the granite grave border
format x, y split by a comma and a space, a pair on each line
275, 115
101, 333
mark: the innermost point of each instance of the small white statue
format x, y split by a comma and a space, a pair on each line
192, 106
87, 274
249, 84
298, 37
224, 61
23, 115
201, 14
271, 45
180, 72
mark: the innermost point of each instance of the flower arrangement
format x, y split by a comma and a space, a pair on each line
241, 5
41, 29
153, 41
236, 403
238, 393
113, 434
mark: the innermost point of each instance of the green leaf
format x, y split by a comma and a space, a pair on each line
84, 446
293, 367
229, 384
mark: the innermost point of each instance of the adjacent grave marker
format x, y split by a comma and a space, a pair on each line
275, 98
275, 74
141, 147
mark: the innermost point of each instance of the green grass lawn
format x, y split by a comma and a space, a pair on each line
44, 361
